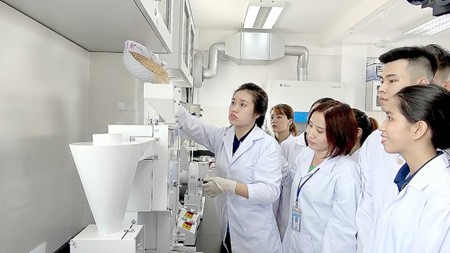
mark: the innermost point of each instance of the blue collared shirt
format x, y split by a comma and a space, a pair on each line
237, 142
402, 179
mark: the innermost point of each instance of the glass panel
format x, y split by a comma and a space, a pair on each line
191, 49
164, 7
186, 31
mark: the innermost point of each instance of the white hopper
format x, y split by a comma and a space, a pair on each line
107, 168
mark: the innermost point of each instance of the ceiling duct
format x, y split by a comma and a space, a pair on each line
253, 47
256, 48
213, 61
302, 62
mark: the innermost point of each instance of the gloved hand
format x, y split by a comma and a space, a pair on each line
217, 185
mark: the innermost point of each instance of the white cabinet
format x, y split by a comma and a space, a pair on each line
300, 95
123, 241
180, 62
158, 14
104, 25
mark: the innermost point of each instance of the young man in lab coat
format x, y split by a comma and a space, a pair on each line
442, 76
403, 67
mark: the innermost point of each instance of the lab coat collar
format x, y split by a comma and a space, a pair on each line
290, 136
329, 164
228, 138
326, 166
428, 172
300, 140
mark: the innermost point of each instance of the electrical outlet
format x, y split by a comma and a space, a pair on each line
121, 106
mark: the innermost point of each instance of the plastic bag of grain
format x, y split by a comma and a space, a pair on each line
143, 64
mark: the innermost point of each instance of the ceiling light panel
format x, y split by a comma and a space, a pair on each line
263, 14
431, 27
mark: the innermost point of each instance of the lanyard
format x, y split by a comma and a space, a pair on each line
408, 179
300, 186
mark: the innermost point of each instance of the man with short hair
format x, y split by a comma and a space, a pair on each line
403, 67
447, 83
442, 76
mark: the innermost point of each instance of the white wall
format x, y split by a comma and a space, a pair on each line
52, 93
43, 108
325, 64
215, 94
338, 64
110, 84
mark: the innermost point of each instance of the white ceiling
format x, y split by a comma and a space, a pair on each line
331, 22
334, 20
298, 17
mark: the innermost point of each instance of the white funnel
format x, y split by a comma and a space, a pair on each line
107, 168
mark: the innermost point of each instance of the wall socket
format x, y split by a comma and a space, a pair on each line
121, 106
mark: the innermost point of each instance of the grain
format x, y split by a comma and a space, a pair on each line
161, 74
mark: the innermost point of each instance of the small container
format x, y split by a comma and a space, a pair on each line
143, 64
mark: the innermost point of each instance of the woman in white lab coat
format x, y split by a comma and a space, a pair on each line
293, 146
290, 148
417, 218
326, 185
284, 129
282, 122
366, 125
248, 172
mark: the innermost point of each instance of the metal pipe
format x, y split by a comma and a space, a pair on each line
197, 70
300, 51
302, 62
213, 61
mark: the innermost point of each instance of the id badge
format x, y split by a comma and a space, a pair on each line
296, 218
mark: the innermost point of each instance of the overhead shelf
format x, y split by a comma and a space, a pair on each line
104, 25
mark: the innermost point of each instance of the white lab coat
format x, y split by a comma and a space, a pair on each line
290, 148
328, 202
284, 170
290, 136
355, 155
378, 170
257, 163
418, 218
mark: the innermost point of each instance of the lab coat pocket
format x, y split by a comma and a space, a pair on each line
295, 242
306, 245
245, 172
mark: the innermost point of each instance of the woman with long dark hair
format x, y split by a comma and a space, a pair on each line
248, 171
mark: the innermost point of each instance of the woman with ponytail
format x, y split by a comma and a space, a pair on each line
366, 125
282, 122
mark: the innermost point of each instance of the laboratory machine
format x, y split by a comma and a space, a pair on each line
142, 182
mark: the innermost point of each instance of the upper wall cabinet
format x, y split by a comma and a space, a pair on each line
105, 25
180, 62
